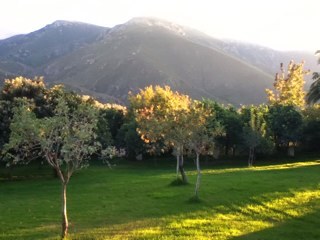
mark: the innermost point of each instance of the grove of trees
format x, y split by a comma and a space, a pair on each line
66, 130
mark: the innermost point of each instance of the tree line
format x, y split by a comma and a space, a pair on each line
67, 130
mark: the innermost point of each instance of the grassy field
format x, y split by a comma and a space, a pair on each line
134, 201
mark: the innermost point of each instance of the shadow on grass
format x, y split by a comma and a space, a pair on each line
195, 200
305, 227
178, 182
261, 223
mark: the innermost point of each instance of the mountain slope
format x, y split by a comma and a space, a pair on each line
108, 63
26, 54
137, 54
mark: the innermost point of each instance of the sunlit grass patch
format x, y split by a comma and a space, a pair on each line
263, 168
213, 224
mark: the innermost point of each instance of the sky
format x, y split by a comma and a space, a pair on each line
279, 24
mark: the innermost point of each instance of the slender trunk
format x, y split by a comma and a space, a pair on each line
177, 170
251, 156
182, 172
233, 151
291, 151
198, 176
182, 159
65, 223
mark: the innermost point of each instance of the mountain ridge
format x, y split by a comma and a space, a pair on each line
110, 62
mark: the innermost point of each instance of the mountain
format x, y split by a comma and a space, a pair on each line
109, 63
28, 54
264, 58
267, 59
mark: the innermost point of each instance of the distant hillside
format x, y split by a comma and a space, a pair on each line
109, 63
268, 59
137, 54
28, 54
264, 58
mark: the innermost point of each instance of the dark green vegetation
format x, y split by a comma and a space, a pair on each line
107, 63
136, 201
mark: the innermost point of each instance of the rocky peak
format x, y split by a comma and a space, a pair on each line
156, 22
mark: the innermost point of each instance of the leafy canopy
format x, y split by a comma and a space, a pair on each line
288, 86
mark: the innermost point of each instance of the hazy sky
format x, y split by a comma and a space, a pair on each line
280, 24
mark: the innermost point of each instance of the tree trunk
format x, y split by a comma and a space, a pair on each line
234, 151
182, 159
178, 157
291, 151
251, 156
65, 223
198, 176
181, 169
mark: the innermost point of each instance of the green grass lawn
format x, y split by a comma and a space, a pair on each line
135, 201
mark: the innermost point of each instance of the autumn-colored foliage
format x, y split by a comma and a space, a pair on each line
288, 86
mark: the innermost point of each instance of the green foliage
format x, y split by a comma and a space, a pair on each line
65, 140
13, 90
313, 95
285, 123
32, 89
5, 119
232, 123
129, 139
255, 130
103, 133
112, 118
311, 128
23, 87
204, 128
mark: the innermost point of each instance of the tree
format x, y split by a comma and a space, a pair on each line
285, 123
128, 139
311, 128
202, 134
5, 119
289, 86
313, 95
113, 118
232, 123
32, 89
103, 131
255, 129
65, 140
19, 87
161, 116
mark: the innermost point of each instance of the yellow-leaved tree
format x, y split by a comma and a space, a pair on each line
288, 86
161, 115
